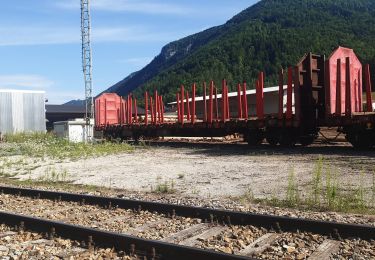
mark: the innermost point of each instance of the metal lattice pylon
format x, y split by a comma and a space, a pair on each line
87, 64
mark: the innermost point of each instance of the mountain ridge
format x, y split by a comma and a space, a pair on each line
266, 36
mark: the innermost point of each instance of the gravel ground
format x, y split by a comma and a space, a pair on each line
148, 225
293, 246
214, 175
28, 245
117, 220
233, 240
356, 249
211, 170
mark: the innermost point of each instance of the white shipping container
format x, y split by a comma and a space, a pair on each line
22, 111
74, 131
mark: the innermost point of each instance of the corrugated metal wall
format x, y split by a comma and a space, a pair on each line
22, 111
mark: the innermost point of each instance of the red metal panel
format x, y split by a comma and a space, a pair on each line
121, 122
146, 108
223, 101
348, 88
162, 109
107, 109
368, 88
211, 103
182, 112
355, 72
130, 110
289, 111
338, 88
297, 96
260, 96
193, 104
127, 110
227, 100
216, 106
136, 111
122, 111
281, 94
188, 105
97, 112
105, 112
244, 102
152, 110
327, 86
359, 91
239, 103
156, 107
159, 108
178, 108
204, 102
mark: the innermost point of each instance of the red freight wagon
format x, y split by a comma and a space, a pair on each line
324, 92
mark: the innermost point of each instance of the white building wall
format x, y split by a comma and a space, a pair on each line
22, 111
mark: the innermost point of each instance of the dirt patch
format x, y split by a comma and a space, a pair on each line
215, 170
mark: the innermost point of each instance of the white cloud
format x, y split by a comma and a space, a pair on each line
136, 6
30, 35
60, 97
25, 81
137, 62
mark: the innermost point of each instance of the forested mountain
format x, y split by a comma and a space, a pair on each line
267, 36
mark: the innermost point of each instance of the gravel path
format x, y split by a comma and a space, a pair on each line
28, 245
229, 239
213, 170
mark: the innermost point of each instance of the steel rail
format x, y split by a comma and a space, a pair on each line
151, 249
277, 223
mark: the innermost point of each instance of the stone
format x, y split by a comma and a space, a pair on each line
289, 249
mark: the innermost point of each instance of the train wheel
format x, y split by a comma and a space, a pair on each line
254, 138
287, 139
136, 139
360, 140
306, 140
273, 137
273, 140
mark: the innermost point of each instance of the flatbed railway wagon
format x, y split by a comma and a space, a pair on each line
320, 92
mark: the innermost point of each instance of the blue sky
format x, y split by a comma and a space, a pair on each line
40, 46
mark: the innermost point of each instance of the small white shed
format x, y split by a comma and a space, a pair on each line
74, 130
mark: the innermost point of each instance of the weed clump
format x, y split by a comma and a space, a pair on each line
325, 192
42, 145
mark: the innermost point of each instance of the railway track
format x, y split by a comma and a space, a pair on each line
17, 243
166, 231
